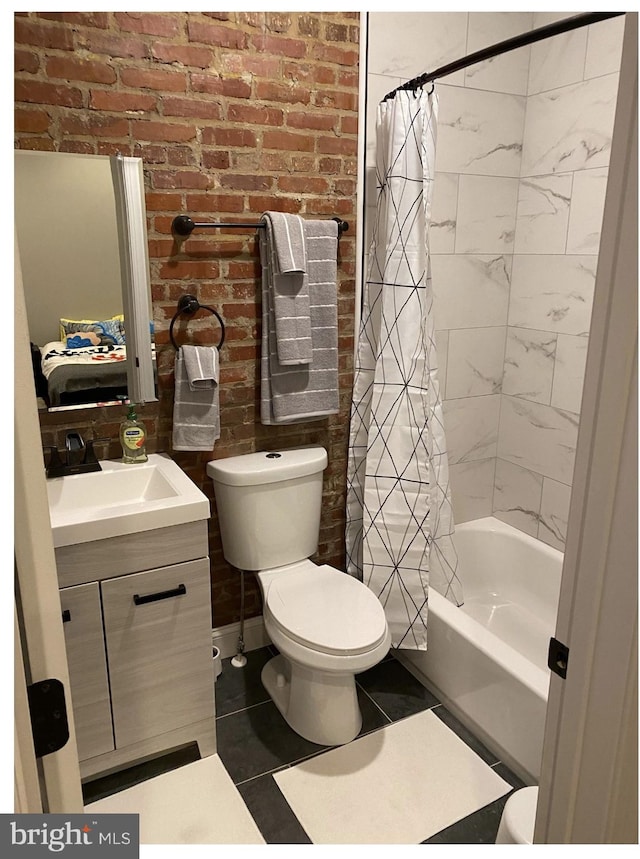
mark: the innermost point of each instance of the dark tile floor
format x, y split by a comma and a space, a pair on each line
254, 742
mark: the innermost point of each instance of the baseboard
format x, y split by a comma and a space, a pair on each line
225, 638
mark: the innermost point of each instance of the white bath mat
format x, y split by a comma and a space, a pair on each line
399, 785
194, 804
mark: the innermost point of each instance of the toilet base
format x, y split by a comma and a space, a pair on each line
518, 817
320, 706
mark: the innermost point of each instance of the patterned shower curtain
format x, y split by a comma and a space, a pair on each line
399, 519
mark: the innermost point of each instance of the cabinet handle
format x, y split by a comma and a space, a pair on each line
163, 595
66, 615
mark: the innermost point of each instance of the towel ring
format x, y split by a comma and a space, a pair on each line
189, 304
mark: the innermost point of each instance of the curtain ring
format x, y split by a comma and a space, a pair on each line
433, 86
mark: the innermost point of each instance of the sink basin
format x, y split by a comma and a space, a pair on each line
123, 499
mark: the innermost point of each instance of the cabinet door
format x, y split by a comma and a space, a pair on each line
158, 633
84, 639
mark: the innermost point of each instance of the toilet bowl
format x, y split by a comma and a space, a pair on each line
326, 625
518, 817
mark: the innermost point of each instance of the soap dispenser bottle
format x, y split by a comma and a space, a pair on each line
133, 438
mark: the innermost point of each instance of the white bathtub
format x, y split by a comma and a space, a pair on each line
486, 661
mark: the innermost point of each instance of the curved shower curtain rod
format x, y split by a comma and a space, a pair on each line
554, 29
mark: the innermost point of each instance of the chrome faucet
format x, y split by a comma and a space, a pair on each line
78, 457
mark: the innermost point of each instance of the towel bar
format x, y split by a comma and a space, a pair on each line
183, 225
189, 304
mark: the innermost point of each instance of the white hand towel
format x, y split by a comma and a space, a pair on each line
196, 407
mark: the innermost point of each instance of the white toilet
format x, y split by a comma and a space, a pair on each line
518, 817
327, 626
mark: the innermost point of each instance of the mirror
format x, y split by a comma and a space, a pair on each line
81, 231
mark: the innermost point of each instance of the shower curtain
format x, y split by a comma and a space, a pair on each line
399, 518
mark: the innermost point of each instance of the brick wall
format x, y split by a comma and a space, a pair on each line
232, 113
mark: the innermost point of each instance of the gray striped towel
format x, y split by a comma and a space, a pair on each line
307, 392
288, 266
196, 405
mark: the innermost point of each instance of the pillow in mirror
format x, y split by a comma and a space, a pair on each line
78, 333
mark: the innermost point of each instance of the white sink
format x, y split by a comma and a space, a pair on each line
123, 499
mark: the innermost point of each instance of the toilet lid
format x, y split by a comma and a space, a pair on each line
327, 610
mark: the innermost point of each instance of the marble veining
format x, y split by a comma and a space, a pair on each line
529, 364
538, 437
479, 132
470, 291
486, 214
552, 293
570, 128
543, 214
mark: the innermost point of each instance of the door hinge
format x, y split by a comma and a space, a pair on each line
48, 709
558, 657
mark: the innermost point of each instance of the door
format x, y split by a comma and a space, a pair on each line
158, 633
589, 778
37, 600
84, 639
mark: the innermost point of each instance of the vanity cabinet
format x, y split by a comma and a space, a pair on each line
84, 638
138, 639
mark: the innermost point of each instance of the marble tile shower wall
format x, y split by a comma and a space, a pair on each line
523, 147
571, 97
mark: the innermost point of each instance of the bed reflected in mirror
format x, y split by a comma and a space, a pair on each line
80, 277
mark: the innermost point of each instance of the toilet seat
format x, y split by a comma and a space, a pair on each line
326, 610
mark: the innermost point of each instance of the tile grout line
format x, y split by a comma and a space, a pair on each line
375, 703
242, 709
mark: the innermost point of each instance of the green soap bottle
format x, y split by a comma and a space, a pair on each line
133, 438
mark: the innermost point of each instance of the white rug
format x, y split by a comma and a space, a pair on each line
399, 785
195, 804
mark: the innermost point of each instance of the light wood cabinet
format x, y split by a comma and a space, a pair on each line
84, 639
139, 652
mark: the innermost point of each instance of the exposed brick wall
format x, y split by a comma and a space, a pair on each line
232, 113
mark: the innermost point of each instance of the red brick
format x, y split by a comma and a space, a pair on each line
216, 85
30, 32
333, 54
277, 204
338, 145
229, 137
95, 125
215, 203
112, 45
212, 34
186, 55
296, 48
252, 114
72, 69
152, 24
176, 132
112, 100
158, 80
309, 25
25, 61
274, 91
180, 179
79, 19
174, 270
252, 64
288, 140
303, 185
200, 108
31, 120
248, 183
215, 160
317, 121
41, 92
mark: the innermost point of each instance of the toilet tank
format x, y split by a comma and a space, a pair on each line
269, 506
